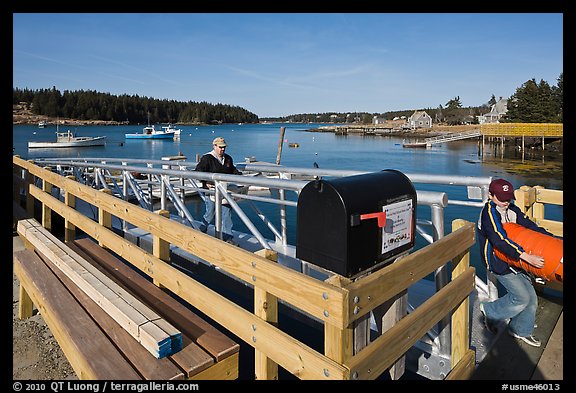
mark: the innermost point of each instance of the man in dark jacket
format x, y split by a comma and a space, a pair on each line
217, 161
520, 303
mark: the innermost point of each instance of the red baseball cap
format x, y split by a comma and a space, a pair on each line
502, 189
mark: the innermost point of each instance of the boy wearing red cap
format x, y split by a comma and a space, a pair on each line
520, 303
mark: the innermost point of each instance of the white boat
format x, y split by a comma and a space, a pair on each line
150, 132
41, 124
68, 139
170, 127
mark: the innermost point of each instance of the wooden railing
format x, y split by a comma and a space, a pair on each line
337, 302
532, 201
523, 129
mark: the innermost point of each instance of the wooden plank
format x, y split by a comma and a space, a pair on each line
147, 365
464, 368
211, 339
86, 347
227, 369
128, 311
191, 360
555, 197
554, 227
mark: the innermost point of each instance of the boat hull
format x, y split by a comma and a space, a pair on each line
96, 141
150, 136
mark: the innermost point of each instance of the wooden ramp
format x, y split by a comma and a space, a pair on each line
456, 136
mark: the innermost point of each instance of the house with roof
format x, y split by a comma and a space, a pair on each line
419, 119
497, 110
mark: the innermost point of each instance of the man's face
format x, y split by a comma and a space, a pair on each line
219, 150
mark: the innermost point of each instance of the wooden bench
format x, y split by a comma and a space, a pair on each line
95, 344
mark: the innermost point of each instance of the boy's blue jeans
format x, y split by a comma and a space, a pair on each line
519, 304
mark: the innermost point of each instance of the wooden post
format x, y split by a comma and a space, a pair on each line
538, 207
280, 142
529, 198
338, 343
160, 247
460, 316
521, 198
46, 211
265, 307
386, 316
29, 179
70, 201
104, 217
25, 304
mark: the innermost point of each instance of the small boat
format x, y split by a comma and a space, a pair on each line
293, 145
170, 127
416, 144
41, 124
68, 139
150, 132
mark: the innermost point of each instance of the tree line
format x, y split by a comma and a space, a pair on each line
91, 105
533, 102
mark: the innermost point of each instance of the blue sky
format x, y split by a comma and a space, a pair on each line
277, 64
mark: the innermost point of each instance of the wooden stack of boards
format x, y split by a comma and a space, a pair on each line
153, 332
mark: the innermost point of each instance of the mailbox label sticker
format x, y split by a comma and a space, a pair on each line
398, 229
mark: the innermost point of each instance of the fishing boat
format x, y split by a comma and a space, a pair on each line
170, 128
68, 139
150, 132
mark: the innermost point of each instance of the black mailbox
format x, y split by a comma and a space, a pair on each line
351, 225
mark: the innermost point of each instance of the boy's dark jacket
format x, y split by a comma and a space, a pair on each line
491, 234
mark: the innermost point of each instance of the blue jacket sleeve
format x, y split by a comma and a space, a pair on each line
495, 233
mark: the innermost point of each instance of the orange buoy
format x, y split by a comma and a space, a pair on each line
549, 247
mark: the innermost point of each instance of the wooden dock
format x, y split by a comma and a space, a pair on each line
510, 359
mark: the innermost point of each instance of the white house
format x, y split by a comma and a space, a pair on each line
497, 110
420, 119
378, 120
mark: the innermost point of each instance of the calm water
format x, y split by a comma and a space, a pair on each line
327, 150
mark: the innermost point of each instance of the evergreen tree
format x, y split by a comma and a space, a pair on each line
558, 98
492, 101
454, 103
536, 103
